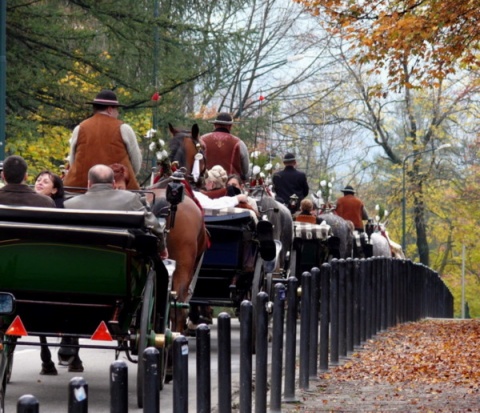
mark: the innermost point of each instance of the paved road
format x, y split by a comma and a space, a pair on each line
52, 391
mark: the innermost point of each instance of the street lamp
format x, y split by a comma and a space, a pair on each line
276, 64
404, 201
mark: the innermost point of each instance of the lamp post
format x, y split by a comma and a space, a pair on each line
404, 201
3, 75
276, 64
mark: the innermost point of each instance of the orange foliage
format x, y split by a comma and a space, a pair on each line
438, 34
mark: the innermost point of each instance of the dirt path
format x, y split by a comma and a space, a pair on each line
428, 366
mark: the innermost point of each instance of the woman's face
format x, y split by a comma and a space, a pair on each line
234, 182
44, 185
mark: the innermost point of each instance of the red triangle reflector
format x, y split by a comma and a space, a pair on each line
16, 328
102, 333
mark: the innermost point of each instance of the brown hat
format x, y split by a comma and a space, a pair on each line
106, 98
223, 118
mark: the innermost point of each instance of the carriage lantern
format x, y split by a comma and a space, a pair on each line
175, 194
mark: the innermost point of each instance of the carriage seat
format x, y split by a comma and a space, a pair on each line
124, 229
229, 214
306, 231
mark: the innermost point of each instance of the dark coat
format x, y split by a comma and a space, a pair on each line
23, 195
288, 182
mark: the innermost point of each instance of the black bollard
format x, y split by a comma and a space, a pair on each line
261, 356
277, 349
349, 305
356, 302
119, 387
314, 314
324, 315
151, 395
246, 341
334, 313
290, 341
77, 395
342, 308
305, 330
363, 306
28, 404
224, 363
203, 369
180, 375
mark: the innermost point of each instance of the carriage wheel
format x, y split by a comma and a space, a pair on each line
146, 325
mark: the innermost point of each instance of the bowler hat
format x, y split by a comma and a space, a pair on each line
223, 118
348, 189
106, 98
289, 157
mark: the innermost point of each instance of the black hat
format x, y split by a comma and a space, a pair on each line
348, 189
289, 157
106, 98
223, 118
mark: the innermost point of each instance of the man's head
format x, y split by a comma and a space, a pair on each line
14, 170
289, 159
100, 174
106, 101
348, 190
223, 120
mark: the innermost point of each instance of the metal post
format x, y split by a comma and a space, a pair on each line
28, 404
224, 363
342, 308
180, 375
305, 330
77, 395
261, 350
277, 348
246, 381
3, 75
314, 313
203, 369
151, 395
290, 341
119, 387
334, 313
324, 314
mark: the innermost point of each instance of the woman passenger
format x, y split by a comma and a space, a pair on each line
120, 175
50, 184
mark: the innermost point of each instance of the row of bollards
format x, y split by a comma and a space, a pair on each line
342, 305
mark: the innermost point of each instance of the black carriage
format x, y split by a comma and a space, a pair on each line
86, 275
240, 261
312, 245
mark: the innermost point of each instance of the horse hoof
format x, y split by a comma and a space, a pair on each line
65, 360
48, 369
75, 368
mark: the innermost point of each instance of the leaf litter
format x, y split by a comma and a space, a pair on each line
428, 366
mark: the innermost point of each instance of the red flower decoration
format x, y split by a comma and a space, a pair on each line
156, 96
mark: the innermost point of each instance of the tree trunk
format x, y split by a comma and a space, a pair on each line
421, 227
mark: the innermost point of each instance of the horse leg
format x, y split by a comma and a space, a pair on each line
48, 366
68, 356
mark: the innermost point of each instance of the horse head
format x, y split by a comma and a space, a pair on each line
188, 151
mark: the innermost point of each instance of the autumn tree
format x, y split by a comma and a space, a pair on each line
433, 37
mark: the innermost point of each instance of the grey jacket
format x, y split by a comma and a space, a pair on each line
104, 197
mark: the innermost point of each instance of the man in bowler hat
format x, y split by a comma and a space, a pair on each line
223, 148
290, 181
351, 208
103, 139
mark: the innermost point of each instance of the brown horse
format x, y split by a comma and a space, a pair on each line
188, 239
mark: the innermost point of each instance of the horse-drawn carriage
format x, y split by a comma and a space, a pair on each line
82, 274
240, 261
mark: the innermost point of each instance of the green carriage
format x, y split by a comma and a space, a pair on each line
83, 274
